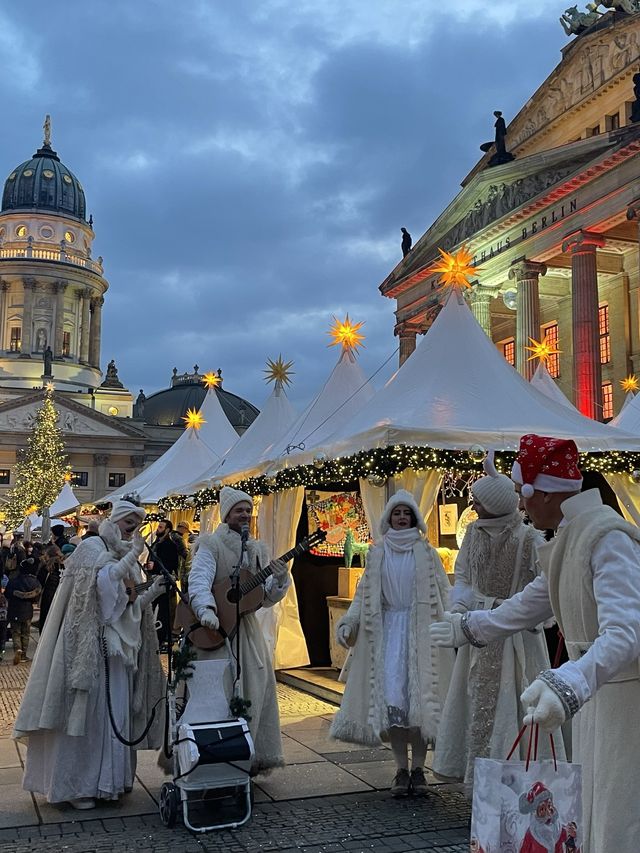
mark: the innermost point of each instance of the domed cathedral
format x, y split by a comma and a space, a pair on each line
551, 215
52, 292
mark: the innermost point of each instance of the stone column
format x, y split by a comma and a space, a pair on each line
480, 302
526, 274
633, 213
4, 290
587, 371
137, 463
96, 331
100, 461
59, 288
407, 335
85, 322
29, 285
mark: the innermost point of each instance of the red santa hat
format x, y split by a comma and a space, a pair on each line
547, 465
531, 799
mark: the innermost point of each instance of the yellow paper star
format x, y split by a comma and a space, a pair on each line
542, 350
67, 477
630, 384
211, 380
193, 419
278, 371
456, 269
346, 334
49, 387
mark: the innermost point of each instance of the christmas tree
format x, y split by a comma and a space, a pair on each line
42, 470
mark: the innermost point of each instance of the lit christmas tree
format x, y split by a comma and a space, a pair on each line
41, 472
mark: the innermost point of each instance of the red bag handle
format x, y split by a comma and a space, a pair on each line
533, 739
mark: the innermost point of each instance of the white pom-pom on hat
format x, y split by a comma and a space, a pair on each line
527, 490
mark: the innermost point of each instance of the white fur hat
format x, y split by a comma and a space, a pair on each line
229, 498
121, 509
404, 498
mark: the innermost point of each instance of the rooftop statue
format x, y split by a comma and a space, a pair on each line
574, 22
501, 154
628, 6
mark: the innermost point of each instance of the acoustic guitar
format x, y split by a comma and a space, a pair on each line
251, 593
134, 589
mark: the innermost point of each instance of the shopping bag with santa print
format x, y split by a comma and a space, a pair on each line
526, 806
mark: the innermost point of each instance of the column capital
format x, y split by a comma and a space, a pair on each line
525, 270
583, 243
29, 282
59, 286
96, 302
480, 294
405, 329
101, 459
4, 285
138, 460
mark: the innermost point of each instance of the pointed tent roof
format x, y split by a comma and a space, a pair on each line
455, 391
543, 381
65, 502
275, 418
195, 451
345, 391
628, 418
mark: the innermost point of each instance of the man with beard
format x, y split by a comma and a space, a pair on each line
545, 833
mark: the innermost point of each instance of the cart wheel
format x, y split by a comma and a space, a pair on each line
169, 804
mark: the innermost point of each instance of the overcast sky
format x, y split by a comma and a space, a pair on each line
249, 163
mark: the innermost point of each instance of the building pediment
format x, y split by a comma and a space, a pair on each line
19, 416
497, 197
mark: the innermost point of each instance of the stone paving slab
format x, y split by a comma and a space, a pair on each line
309, 780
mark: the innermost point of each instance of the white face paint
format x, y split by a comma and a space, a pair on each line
128, 524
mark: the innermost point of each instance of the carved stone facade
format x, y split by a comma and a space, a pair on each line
520, 220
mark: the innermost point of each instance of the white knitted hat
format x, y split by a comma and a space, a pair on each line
229, 498
406, 499
120, 509
496, 493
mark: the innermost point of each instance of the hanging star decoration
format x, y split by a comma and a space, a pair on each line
68, 476
278, 371
630, 385
346, 334
456, 269
49, 387
211, 380
193, 419
542, 350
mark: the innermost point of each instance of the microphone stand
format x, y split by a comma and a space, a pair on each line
235, 586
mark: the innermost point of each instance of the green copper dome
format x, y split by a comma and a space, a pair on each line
44, 183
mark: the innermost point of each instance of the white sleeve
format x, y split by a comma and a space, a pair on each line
461, 594
274, 593
524, 610
201, 578
615, 563
112, 594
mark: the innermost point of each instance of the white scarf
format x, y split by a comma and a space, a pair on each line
401, 540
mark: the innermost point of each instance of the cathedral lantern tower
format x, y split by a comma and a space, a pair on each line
51, 289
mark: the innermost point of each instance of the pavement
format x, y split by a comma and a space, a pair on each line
330, 797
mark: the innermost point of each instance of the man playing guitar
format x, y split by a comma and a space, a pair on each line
215, 557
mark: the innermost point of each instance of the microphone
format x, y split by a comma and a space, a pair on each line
244, 532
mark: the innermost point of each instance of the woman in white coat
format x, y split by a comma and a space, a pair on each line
398, 679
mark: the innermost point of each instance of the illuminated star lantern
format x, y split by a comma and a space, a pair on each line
630, 384
542, 350
211, 380
278, 371
456, 270
49, 387
193, 419
346, 334
67, 477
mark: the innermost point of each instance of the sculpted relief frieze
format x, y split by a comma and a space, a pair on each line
500, 200
592, 66
23, 420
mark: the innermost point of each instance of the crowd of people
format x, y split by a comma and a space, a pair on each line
460, 667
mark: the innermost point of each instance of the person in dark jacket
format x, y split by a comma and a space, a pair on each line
48, 578
169, 548
22, 592
57, 536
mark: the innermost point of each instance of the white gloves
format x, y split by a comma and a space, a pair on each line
343, 636
209, 619
543, 706
137, 546
279, 571
122, 568
449, 632
156, 589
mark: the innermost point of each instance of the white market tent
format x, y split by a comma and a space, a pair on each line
345, 391
274, 420
65, 503
628, 418
457, 391
543, 381
195, 451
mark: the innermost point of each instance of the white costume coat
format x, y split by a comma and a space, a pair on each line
591, 583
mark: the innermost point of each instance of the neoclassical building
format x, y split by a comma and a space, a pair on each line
551, 213
52, 292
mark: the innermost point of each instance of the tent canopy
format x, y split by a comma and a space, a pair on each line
455, 391
628, 418
195, 451
65, 503
543, 381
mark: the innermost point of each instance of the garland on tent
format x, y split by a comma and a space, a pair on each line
383, 462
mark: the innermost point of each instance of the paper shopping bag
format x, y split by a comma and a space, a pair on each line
526, 809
